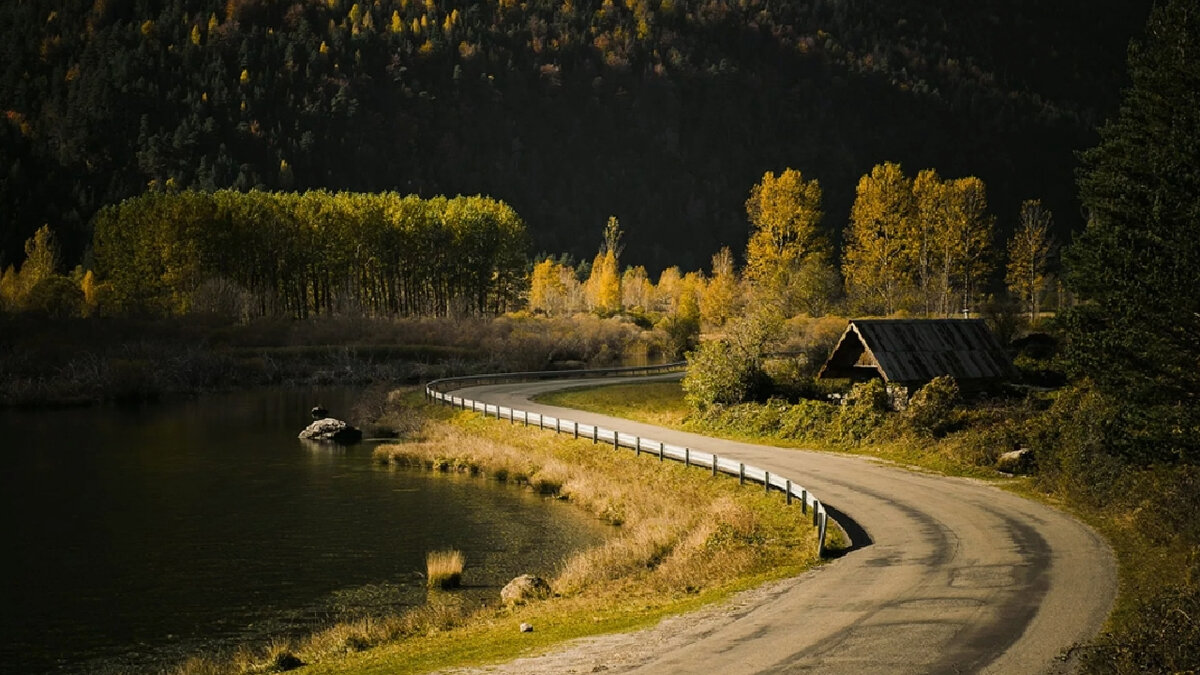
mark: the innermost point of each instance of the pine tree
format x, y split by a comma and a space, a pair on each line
1137, 263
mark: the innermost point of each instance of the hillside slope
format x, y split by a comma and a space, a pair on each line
662, 112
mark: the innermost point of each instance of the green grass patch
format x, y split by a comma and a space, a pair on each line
658, 403
663, 404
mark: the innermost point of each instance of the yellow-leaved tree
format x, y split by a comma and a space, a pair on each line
1029, 255
666, 291
931, 228
603, 286
881, 255
721, 298
968, 241
547, 292
787, 257
637, 292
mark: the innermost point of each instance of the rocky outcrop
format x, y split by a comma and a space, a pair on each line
330, 429
524, 588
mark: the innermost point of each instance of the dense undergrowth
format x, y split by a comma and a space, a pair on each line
680, 538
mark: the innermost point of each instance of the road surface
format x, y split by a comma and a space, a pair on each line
946, 575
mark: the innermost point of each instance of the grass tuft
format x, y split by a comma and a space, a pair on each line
444, 569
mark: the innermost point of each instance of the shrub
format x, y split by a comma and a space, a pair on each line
719, 374
864, 411
807, 420
680, 335
931, 410
55, 296
1162, 638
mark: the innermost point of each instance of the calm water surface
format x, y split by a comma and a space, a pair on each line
134, 537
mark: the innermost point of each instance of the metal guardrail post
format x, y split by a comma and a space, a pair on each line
575, 429
741, 473
687, 457
803, 500
767, 482
714, 464
661, 450
788, 491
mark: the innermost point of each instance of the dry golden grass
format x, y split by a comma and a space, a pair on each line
679, 535
444, 569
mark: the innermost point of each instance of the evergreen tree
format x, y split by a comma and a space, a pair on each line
1137, 263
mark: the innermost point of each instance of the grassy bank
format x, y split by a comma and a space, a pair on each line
681, 538
1150, 515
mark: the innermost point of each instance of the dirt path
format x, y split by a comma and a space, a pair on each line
947, 575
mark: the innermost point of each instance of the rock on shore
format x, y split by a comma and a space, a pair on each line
524, 587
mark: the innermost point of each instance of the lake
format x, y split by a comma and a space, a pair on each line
135, 536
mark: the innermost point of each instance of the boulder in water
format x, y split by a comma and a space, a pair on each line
330, 429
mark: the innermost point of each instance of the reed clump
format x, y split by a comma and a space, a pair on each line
444, 569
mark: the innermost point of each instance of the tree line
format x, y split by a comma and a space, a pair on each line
306, 254
922, 246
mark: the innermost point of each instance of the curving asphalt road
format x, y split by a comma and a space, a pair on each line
946, 575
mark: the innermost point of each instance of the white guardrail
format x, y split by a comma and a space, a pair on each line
436, 391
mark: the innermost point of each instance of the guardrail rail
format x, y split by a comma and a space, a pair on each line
437, 391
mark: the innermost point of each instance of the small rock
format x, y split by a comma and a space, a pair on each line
526, 628
523, 588
1017, 461
330, 429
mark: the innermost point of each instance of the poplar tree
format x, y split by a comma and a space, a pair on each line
968, 239
931, 230
1029, 256
881, 255
604, 283
719, 302
787, 257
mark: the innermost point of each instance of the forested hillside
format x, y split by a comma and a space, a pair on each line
661, 112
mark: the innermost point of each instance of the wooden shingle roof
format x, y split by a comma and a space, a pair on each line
914, 351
